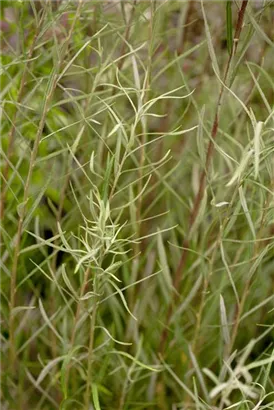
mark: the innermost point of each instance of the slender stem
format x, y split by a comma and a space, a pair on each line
21, 220
127, 34
143, 138
210, 150
248, 283
120, 67
65, 185
139, 203
78, 310
48, 99
13, 127
77, 315
226, 220
90, 356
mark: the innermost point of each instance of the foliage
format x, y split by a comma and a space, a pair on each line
137, 205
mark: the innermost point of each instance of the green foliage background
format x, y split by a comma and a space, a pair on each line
128, 281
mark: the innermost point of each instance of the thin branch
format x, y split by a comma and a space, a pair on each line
202, 182
34, 152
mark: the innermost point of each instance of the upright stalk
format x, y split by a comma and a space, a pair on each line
90, 356
248, 283
47, 102
210, 151
144, 133
14, 120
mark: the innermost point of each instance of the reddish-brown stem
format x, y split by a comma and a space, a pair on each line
210, 150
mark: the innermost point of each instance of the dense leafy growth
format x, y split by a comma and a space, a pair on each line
137, 205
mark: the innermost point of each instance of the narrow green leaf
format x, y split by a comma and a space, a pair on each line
246, 211
105, 188
224, 322
122, 298
95, 397
257, 147
136, 361
166, 282
210, 43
